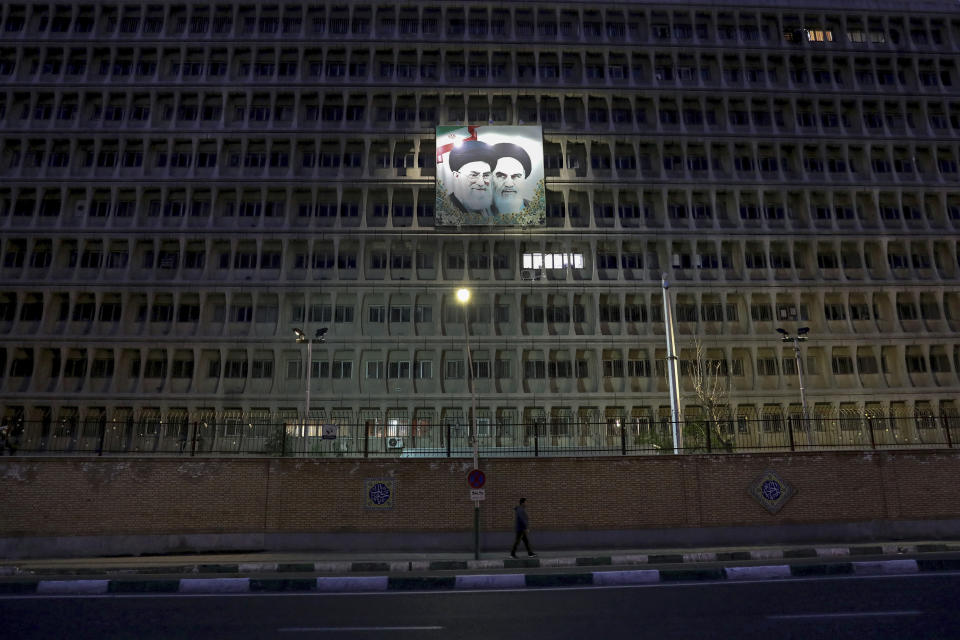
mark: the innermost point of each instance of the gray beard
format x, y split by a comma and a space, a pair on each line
474, 200
510, 204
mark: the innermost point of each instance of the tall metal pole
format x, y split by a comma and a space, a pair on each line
463, 295
800, 336
803, 394
306, 408
673, 377
474, 431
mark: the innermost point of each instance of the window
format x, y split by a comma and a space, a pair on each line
423, 369
344, 313
423, 313
535, 369
916, 363
263, 369
767, 367
374, 369
613, 368
834, 311
907, 311
761, 312
156, 368
342, 369
638, 368
455, 369
841, 365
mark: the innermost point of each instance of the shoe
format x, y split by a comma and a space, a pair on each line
531, 555
512, 556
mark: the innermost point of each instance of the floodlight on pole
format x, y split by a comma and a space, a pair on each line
302, 338
796, 340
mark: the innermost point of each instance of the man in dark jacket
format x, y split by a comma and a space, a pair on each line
521, 525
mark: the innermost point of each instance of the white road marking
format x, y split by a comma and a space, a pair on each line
342, 629
729, 584
852, 614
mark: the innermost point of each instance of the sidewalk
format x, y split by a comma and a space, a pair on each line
304, 571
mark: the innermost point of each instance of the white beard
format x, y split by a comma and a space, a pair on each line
509, 203
473, 199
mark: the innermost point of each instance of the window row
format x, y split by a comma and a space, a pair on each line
477, 65
643, 25
346, 207
664, 113
601, 259
130, 365
715, 161
886, 311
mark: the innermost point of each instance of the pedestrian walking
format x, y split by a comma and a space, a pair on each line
521, 526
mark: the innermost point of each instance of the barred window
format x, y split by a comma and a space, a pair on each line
767, 366
613, 368
638, 368
842, 365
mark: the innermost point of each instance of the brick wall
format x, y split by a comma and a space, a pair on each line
141, 496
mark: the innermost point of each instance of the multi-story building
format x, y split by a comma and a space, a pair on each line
185, 184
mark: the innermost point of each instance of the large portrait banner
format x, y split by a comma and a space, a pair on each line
490, 175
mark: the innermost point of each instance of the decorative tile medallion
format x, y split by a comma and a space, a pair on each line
771, 491
380, 493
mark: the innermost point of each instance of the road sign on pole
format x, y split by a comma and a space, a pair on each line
478, 494
476, 479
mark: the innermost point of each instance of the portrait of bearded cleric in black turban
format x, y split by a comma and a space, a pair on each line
490, 175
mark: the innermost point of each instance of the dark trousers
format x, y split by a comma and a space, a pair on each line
521, 535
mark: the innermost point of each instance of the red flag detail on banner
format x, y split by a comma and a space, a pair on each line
449, 140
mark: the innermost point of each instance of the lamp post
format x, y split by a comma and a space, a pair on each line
463, 296
301, 338
796, 340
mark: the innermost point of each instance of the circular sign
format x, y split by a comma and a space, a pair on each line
476, 479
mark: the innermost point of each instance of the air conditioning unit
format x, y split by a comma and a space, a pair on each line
532, 274
394, 443
81, 209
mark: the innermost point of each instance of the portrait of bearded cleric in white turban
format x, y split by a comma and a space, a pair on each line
510, 170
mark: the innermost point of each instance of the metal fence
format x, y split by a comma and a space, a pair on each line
181, 436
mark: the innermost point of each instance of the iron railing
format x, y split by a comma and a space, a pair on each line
180, 436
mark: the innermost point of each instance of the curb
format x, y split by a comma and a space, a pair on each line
830, 554
362, 584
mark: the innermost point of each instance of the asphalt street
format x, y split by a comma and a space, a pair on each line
913, 606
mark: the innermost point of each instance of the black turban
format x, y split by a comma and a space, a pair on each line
471, 151
509, 150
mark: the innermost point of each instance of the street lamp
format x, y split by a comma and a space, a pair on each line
301, 338
796, 340
463, 297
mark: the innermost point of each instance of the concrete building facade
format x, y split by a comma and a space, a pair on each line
183, 185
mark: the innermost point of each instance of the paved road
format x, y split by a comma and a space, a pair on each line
915, 606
